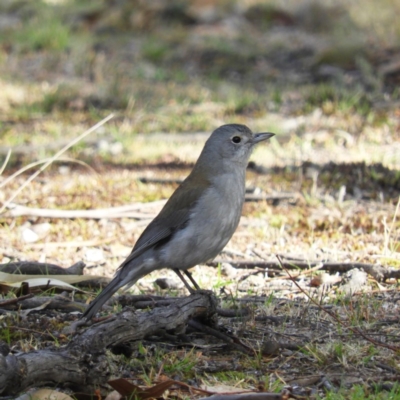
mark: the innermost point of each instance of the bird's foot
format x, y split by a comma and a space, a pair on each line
184, 281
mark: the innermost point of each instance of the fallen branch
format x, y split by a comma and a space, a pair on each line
127, 211
285, 395
16, 300
51, 303
251, 194
82, 364
378, 271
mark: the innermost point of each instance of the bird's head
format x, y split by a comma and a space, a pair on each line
233, 142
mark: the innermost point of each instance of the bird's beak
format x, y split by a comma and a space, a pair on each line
259, 137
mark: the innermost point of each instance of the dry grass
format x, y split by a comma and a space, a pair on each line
348, 212
317, 227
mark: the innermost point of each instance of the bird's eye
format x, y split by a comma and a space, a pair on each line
236, 139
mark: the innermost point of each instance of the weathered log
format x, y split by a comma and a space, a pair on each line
83, 364
37, 268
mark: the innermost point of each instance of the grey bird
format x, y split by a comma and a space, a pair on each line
199, 218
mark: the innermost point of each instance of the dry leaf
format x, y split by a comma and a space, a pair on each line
13, 278
126, 388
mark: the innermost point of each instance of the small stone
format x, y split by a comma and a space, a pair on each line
29, 236
94, 255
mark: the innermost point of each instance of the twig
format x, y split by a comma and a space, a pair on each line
273, 197
17, 211
250, 195
228, 313
145, 179
285, 395
15, 300
143, 305
388, 231
19, 328
235, 342
83, 243
5, 162
36, 163
302, 273
126, 211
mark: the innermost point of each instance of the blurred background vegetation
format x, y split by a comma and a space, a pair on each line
190, 65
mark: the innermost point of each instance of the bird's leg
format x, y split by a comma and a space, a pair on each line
190, 276
181, 277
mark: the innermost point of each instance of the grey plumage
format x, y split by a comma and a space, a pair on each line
198, 219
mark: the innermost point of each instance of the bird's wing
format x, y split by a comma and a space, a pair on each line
172, 217
157, 232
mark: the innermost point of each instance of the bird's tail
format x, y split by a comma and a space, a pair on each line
99, 301
129, 273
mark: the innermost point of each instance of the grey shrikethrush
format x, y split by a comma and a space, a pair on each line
199, 218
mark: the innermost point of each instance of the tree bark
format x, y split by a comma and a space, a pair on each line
83, 364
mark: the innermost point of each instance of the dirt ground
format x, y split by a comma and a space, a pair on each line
323, 194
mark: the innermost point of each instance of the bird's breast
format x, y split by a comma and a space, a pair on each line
212, 223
